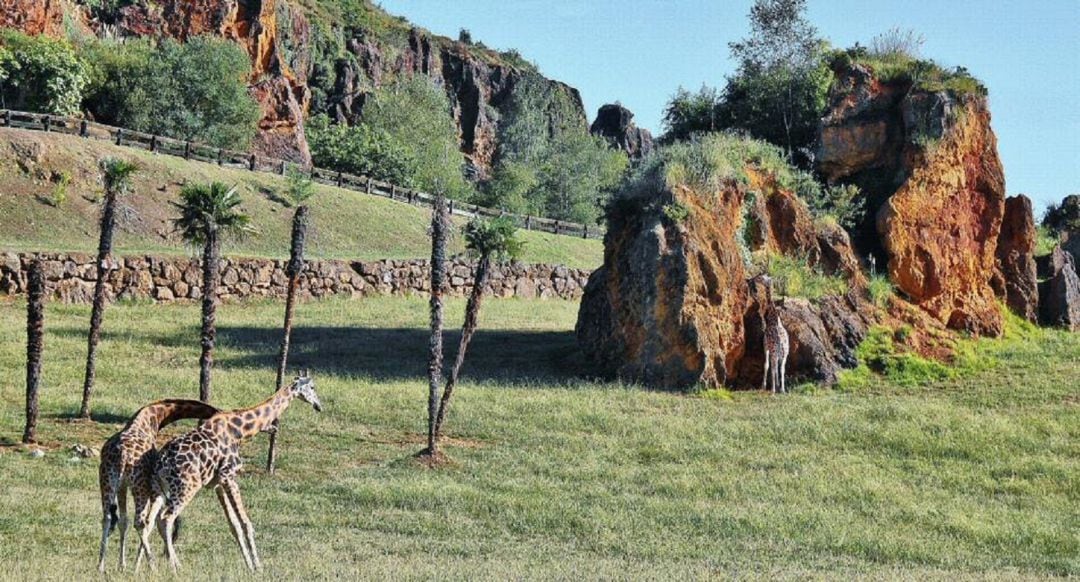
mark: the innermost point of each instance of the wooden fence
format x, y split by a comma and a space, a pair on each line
256, 163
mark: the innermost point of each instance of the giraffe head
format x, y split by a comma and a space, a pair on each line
303, 387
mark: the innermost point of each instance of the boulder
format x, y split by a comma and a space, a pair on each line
927, 163
1015, 278
1059, 294
615, 123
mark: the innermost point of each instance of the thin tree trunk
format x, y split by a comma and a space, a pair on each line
440, 226
108, 223
472, 315
35, 336
295, 268
211, 257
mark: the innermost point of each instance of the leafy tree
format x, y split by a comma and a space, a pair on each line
209, 213
298, 191
116, 174
40, 73
779, 90
195, 90
548, 164
488, 241
689, 113
404, 137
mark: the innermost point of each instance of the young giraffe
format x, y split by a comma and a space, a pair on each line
210, 455
127, 463
777, 343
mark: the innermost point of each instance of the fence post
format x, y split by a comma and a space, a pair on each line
556, 227
7, 117
220, 156
153, 143
84, 129
251, 163
528, 222
119, 136
283, 163
586, 232
411, 194
47, 121
451, 206
393, 191
367, 185
187, 150
339, 179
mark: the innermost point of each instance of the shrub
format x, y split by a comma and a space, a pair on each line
406, 137
1063, 217
59, 192
688, 113
196, 90
897, 42
844, 203
39, 73
676, 212
796, 278
878, 355
881, 290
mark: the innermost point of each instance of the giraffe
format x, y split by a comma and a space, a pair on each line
210, 455
777, 343
127, 462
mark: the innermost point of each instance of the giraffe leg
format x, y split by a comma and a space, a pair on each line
144, 523
234, 525
775, 375
178, 500
233, 492
782, 370
108, 512
121, 503
765, 373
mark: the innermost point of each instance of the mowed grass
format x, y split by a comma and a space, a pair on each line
344, 224
554, 476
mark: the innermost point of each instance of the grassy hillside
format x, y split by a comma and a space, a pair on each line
553, 476
346, 224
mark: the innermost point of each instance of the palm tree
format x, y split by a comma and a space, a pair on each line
116, 174
35, 323
440, 231
298, 191
488, 241
209, 213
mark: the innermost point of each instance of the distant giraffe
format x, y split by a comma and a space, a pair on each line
777, 343
210, 455
127, 463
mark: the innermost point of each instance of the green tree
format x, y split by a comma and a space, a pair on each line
116, 175
298, 190
440, 233
779, 90
688, 113
195, 90
39, 73
209, 213
357, 149
487, 241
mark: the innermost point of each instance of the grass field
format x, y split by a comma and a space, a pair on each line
554, 476
345, 224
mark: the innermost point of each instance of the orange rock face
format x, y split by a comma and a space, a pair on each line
941, 227
33, 16
927, 163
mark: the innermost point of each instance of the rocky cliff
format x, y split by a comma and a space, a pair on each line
317, 57
927, 162
673, 306
615, 123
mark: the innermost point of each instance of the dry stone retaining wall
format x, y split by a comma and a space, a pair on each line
70, 278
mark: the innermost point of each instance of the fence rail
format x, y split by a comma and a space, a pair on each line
256, 163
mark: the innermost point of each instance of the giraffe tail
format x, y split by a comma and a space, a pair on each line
176, 529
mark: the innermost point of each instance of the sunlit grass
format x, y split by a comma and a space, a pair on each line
553, 476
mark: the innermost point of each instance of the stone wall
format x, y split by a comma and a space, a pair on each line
70, 278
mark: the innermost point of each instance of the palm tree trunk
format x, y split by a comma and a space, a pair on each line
472, 317
211, 258
108, 224
440, 226
35, 332
295, 268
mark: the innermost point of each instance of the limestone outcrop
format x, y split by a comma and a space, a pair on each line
615, 123
1059, 293
927, 162
70, 278
672, 306
1015, 277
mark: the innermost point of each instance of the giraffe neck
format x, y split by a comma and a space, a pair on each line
156, 415
258, 418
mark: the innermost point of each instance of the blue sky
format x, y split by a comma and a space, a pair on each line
640, 51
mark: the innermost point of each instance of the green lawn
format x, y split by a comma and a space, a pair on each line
554, 476
344, 224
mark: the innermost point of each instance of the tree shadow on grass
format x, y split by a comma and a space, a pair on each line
402, 353
101, 417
